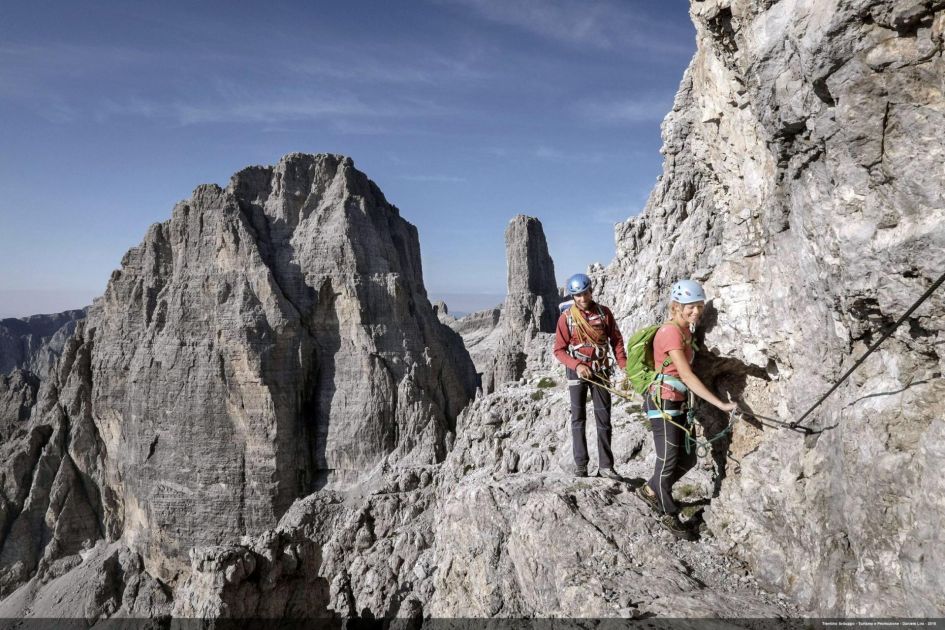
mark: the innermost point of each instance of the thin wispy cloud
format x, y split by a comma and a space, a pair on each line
343, 93
439, 179
601, 25
254, 109
618, 111
29, 71
553, 154
67, 60
550, 153
271, 105
612, 215
402, 64
57, 111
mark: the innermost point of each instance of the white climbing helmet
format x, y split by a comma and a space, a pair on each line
687, 292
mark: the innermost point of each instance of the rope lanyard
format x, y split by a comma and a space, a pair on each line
703, 445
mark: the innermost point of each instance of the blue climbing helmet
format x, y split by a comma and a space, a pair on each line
578, 283
687, 292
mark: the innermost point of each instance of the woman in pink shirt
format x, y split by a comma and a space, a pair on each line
666, 402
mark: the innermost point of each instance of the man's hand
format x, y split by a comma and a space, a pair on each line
583, 371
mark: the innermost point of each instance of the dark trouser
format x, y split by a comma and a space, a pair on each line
601, 398
672, 460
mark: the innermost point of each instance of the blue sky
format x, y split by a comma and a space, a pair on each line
465, 113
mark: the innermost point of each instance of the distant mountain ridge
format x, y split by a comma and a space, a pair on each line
34, 343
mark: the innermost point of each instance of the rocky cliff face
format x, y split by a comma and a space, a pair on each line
479, 333
35, 343
17, 397
272, 338
804, 185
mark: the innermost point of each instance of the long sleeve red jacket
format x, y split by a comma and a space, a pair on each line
563, 337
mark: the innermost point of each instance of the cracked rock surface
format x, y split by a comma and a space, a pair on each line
804, 186
272, 338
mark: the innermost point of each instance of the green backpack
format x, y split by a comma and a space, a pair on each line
640, 368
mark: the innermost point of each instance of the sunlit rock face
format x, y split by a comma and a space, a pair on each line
804, 186
272, 338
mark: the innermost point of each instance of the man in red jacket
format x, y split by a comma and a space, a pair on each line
585, 330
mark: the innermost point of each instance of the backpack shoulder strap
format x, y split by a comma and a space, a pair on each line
668, 360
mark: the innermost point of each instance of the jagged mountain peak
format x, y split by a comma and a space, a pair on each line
271, 338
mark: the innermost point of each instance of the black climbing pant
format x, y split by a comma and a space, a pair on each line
672, 460
601, 399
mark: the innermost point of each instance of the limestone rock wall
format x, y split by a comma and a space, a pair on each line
804, 185
480, 334
532, 299
17, 396
270, 339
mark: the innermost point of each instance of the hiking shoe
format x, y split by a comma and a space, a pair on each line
649, 499
580, 471
674, 526
610, 473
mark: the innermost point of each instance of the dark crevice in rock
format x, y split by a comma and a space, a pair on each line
327, 344
152, 447
882, 139
870, 321
822, 91
723, 30
241, 507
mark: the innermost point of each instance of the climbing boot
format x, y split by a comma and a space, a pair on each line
580, 470
649, 499
610, 473
674, 526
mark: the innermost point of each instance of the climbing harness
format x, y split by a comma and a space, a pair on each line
700, 444
592, 348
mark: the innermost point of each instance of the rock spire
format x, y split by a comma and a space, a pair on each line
531, 305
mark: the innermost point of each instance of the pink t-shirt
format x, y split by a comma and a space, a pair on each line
671, 337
